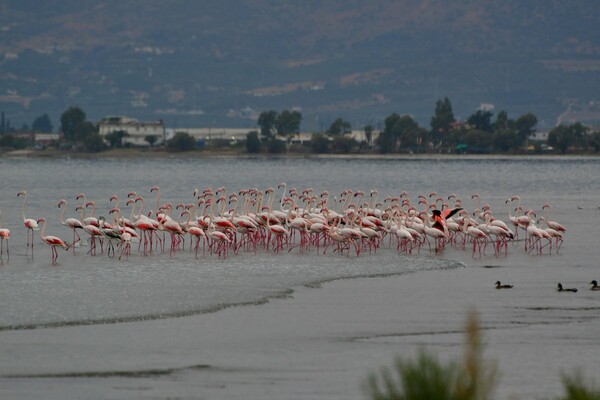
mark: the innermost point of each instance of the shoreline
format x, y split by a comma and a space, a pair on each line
161, 154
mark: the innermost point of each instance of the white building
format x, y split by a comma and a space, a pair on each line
208, 134
136, 131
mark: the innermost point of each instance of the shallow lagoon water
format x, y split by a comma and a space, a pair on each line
105, 297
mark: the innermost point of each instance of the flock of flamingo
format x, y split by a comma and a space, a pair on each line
252, 220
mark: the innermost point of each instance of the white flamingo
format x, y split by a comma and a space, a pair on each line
4, 235
30, 223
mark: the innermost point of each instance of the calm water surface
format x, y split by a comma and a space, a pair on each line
83, 289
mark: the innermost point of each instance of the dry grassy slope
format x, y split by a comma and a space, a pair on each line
372, 58
311, 26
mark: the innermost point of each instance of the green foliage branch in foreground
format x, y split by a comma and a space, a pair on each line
471, 378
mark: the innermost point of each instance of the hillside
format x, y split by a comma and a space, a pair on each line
202, 64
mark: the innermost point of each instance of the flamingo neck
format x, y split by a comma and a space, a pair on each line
42, 234
24, 206
62, 214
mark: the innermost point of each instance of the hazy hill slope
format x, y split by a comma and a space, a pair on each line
222, 62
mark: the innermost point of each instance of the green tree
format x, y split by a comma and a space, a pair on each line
42, 124
400, 132
561, 138
525, 126
502, 121
388, 138
506, 139
580, 132
94, 143
276, 146
344, 144
481, 120
266, 121
10, 141
339, 127
88, 129
288, 123
595, 140
479, 141
115, 138
441, 122
253, 144
182, 141
408, 132
151, 140
319, 142
565, 136
73, 122
7, 140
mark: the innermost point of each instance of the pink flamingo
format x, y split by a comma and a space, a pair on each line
175, 230
91, 220
502, 235
552, 224
72, 223
92, 230
554, 233
478, 236
122, 221
110, 233
276, 231
403, 235
126, 234
30, 223
222, 240
318, 231
535, 235
51, 241
4, 235
194, 231
343, 242
147, 225
440, 236
439, 232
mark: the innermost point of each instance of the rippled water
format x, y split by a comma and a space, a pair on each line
104, 292
34, 293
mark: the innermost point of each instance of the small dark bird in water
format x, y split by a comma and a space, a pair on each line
594, 285
501, 286
560, 289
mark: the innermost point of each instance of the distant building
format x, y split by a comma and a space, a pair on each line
486, 107
361, 136
137, 131
541, 136
358, 135
39, 140
298, 138
24, 135
47, 139
208, 134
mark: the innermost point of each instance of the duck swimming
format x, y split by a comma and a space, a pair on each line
560, 289
501, 286
594, 285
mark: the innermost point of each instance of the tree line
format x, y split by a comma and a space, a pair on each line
482, 132
79, 133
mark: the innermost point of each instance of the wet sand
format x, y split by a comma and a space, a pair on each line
323, 342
